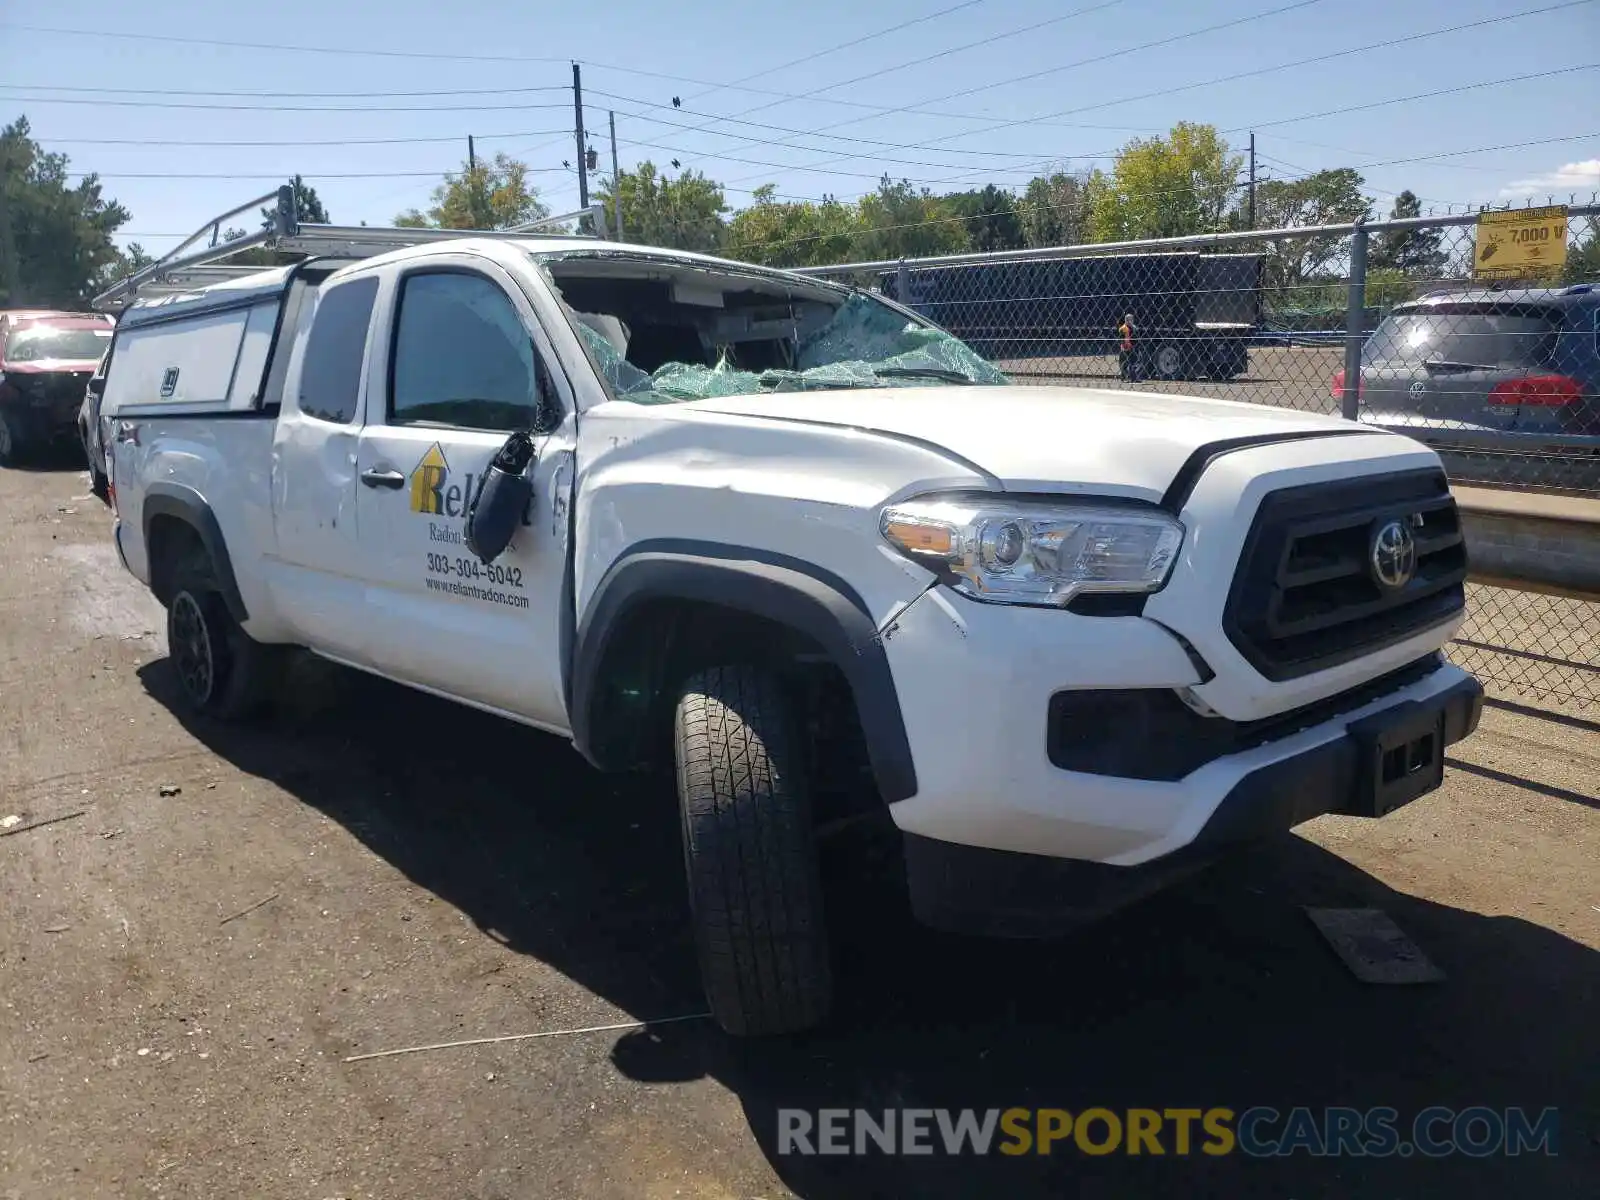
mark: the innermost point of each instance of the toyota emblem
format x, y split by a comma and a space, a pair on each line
1393, 554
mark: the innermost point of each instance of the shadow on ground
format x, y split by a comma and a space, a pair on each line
1219, 993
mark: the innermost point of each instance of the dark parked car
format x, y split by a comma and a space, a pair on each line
46, 360
1505, 385
89, 431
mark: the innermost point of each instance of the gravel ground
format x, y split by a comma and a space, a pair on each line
182, 975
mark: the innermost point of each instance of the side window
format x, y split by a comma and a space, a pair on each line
330, 374
461, 356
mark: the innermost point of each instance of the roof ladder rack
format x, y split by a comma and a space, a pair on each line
184, 268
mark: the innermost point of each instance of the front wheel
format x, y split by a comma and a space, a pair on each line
754, 889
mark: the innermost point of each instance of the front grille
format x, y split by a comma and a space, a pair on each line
56, 391
1305, 596
1148, 733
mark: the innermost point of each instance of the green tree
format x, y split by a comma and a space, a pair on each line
989, 218
55, 237
1165, 187
1388, 286
900, 221
1583, 260
491, 195
791, 233
1327, 198
685, 213
1053, 211
124, 264
1418, 253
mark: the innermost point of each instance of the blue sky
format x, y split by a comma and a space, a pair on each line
1066, 92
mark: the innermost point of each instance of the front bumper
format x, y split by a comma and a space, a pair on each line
42, 421
1328, 769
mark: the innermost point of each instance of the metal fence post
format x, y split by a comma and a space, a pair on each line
902, 291
1355, 319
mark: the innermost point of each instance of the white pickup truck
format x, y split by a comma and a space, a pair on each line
792, 537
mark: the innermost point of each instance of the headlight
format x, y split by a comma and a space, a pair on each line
1024, 552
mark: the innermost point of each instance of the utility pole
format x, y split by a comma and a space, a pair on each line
616, 181
473, 189
1251, 204
583, 148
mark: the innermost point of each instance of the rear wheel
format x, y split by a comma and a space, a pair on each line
751, 859
221, 670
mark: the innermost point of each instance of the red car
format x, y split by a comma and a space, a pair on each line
46, 359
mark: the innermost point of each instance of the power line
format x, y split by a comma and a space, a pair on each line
310, 178
1049, 118
395, 141
1283, 120
805, 58
1091, 60
786, 167
1321, 58
436, 56
1451, 91
832, 137
275, 46
318, 108
46, 87
927, 58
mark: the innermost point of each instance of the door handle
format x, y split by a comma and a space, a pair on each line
374, 478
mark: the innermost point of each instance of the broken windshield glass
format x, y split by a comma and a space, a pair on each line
663, 331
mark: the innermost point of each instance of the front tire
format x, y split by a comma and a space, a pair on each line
754, 889
222, 671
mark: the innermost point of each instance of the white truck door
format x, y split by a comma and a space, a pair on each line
313, 574
465, 365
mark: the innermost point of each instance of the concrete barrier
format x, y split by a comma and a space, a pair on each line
1532, 541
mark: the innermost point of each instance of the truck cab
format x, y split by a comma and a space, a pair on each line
805, 548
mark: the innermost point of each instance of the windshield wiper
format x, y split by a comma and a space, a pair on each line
922, 373
1446, 364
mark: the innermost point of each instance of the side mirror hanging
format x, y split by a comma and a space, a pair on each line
497, 510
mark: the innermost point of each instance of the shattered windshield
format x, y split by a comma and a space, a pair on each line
664, 332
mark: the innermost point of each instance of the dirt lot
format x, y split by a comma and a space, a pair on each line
411, 872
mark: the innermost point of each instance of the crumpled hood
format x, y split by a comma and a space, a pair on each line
1050, 439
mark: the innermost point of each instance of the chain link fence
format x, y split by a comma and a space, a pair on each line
1480, 338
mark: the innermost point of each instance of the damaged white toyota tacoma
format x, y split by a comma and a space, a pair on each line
808, 548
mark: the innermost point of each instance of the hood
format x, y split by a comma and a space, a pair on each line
1041, 439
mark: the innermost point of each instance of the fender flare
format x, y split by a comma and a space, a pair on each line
794, 593
189, 506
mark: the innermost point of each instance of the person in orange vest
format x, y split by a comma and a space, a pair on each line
1125, 347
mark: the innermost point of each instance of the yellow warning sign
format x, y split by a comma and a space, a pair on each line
1520, 243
